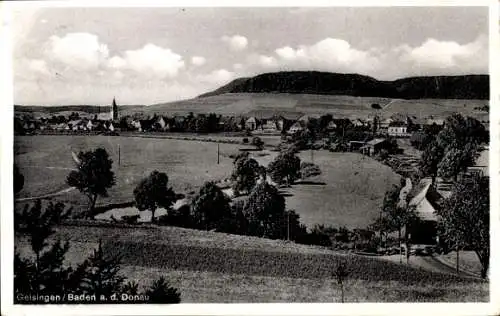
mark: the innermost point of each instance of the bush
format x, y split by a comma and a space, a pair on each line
308, 169
257, 142
180, 217
245, 140
130, 219
161, 293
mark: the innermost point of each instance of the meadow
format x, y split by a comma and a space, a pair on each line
337, 105
217, 267
349, 192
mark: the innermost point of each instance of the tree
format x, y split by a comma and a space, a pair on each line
464, 219
94, 176
257, 142
265, 211
394, 215
244, 174
341, 273
99, 275
456, 161
210, 206
459, 131
46, 273
153, 192
160, 292
285, 168
430, 159
18, 180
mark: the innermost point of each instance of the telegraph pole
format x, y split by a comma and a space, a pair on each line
288, 226
119, 155
218, 153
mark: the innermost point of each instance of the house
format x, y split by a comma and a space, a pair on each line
359, 123
251, 123
398, 129
481, 166
296, 127
161, 124
332, 126
269, 126
75, 125
425, 201
90, 125
136, 124
432, 121
374, 146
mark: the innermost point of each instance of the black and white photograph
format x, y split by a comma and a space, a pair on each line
286, 154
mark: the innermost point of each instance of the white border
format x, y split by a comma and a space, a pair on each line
6, 197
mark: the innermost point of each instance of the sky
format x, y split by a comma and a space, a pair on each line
153, 55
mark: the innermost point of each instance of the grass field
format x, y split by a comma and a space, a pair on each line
215, 267
349, 192
188, 164
337, 105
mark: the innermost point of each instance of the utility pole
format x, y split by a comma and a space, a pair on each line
288, 226
218, 153
119, 155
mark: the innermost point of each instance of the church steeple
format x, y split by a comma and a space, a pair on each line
114, 110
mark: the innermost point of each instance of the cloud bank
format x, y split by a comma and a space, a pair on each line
79, 68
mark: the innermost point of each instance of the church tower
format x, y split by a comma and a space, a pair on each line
114, 111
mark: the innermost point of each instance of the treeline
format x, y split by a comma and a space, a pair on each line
315, 82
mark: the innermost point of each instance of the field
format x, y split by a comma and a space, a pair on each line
349, 192
337, 105
215, 267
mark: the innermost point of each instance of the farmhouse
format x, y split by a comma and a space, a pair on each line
398, 129
481, 167
425, 201
251, 123
374, 146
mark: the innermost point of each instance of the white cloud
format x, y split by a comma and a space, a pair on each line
267, 61
151, 60
78, 50
238, 66
116, 62
220, 76
445, 57
235, 42
432, 57
43, 21
198, 60
38, 65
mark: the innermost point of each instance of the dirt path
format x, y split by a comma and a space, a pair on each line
46, 196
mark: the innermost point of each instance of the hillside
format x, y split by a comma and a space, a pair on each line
216, 267
313, 82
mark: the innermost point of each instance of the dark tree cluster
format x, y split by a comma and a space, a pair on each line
47, 274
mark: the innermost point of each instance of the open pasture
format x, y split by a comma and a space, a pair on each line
188, 163
349, 192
